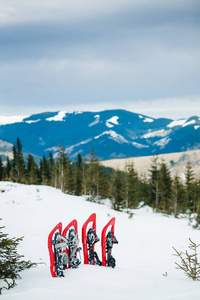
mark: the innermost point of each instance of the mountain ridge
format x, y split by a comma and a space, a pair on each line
110, 133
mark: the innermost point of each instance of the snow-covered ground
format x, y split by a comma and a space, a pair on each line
143, 255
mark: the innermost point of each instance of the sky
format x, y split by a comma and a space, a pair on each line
90, 55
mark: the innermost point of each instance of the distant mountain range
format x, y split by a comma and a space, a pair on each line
110, 133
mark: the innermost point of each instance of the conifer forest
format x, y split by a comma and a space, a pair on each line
126, 190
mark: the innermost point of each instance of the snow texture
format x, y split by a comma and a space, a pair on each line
4, 120
96, 121
113, 135
160, 133
33, 121
163, 142
113, 122
149, 120
189, 123
58, 117
140, 146
143, 255
176, 123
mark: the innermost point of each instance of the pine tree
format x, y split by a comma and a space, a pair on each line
1, 170
165, 187
103, 183
178, 199
78, 175
189, 179
85, 182
18, 164
32, 171
91, 180
65, 171
10, 261
44, 171
69, 178
154, 184
132, 186
8, 169
52, 170
196, 200
145, 189
161, 186
118, 191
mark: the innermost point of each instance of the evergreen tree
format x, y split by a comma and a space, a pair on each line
65, 172
154, 184
18, 164
103, 183
165, 186
179, 201
10, 261
132, 186
1, 170
85, 182
161, 186
92, 178
118, 190
8, 169
52, 170
196, 201
32, 170
44, 171
69, 179
145, 189
189, 179
78, 175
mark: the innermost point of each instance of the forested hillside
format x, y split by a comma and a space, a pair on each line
126, 189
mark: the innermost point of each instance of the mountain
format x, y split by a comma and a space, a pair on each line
111, 134
144, 253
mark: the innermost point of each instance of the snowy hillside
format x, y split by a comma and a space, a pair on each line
143, 254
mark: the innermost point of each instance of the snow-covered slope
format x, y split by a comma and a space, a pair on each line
143, 254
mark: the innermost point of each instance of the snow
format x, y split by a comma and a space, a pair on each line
189, 123
163, 142
112, 120
140, 146
33, 121
114, 135
96, 121
179, 122
148, 120
4, 120
143, 255
58, 117
70, 149
5, 145
160, 133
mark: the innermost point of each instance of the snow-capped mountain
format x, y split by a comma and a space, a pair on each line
110, 133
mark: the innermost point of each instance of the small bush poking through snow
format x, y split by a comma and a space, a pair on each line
189, 262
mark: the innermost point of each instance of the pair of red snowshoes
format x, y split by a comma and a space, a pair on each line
63, 246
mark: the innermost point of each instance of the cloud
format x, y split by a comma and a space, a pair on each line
81, 53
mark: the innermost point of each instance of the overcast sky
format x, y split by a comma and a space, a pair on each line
138, 55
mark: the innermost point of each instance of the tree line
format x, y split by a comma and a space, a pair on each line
126, 190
